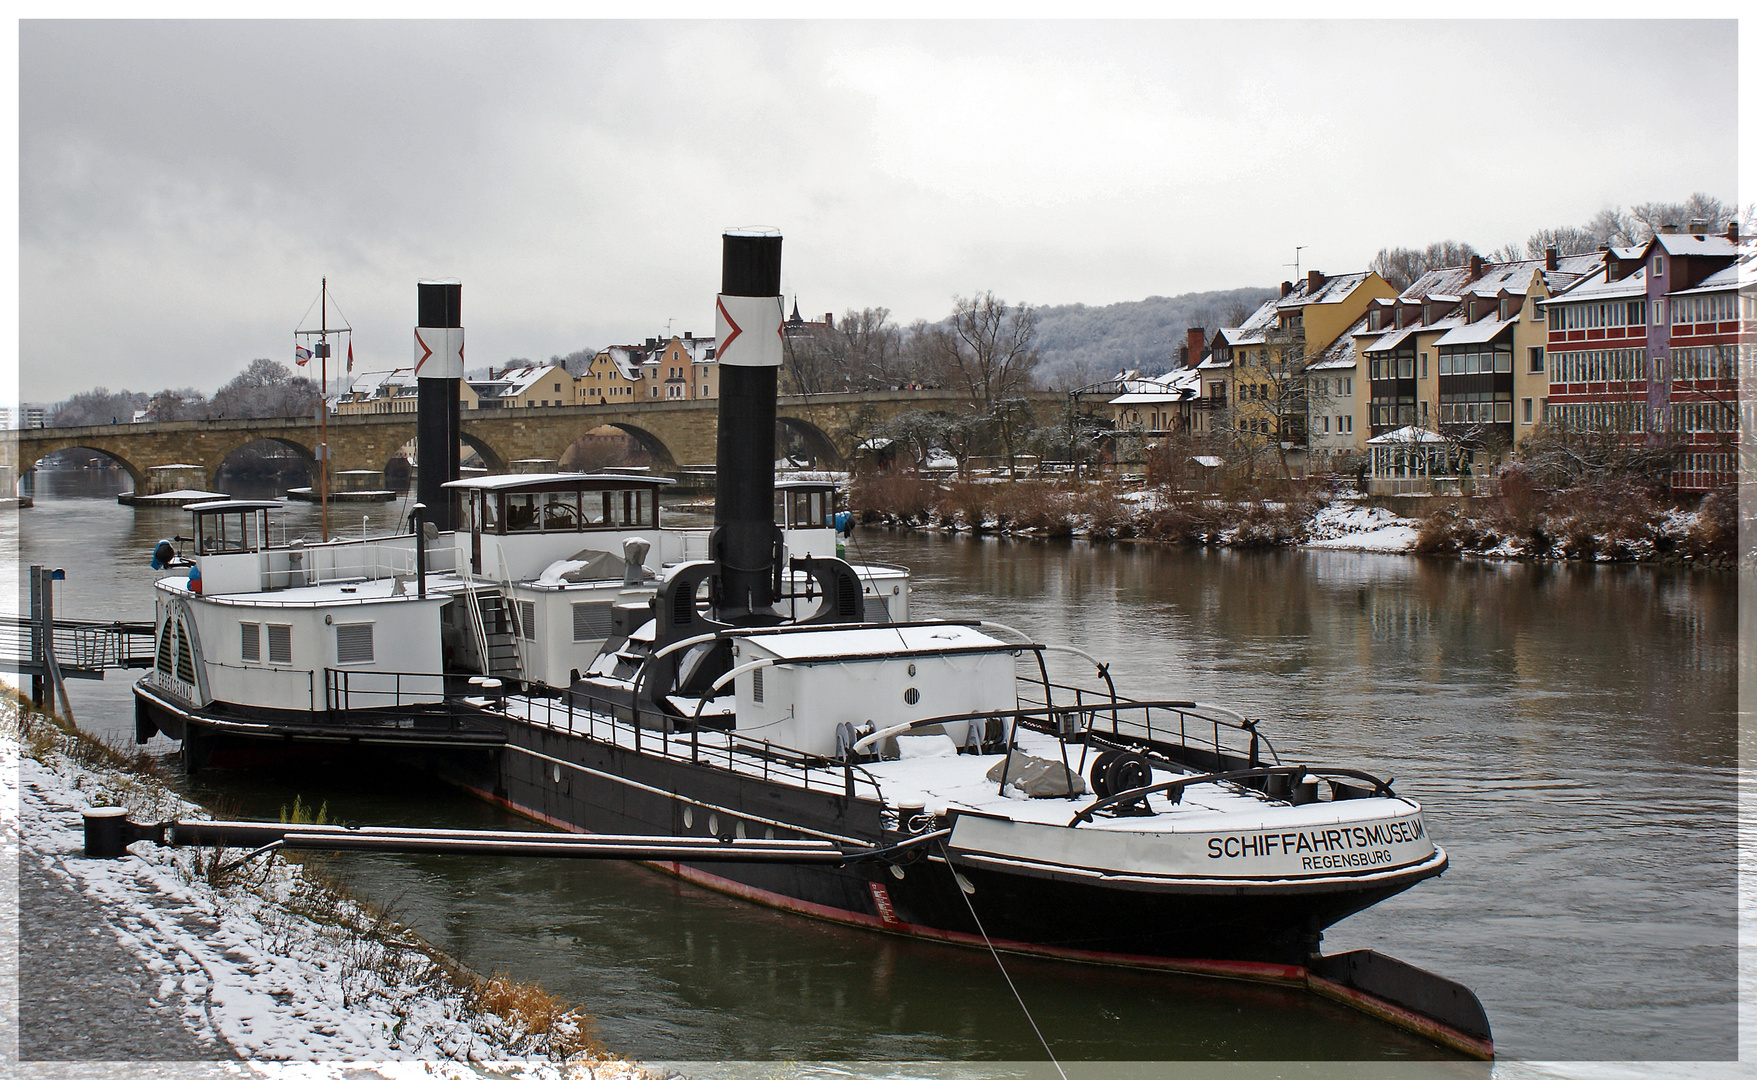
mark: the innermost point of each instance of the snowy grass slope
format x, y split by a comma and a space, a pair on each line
268, 960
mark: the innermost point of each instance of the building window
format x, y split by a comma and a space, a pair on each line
1535, 353
1659, 266
1525, 410
1424, 411
1424, 365
1350, 421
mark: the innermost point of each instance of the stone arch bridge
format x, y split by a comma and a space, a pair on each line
676, 433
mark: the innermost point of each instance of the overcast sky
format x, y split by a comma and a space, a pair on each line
185, 185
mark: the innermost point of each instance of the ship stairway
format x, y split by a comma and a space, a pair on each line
492, 625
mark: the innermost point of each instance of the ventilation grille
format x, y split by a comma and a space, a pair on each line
756, 685
185, 661
354, 643
591, 622
527, 619
847, 598
251, 648
682, 606
165, 646
280, 644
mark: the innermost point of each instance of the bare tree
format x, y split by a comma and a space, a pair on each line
185, 404
265, 388
992, 352
1401, 266
96, 406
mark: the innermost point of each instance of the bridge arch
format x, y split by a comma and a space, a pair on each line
815, 441
135, 472
663, 461
307, 456
492, 458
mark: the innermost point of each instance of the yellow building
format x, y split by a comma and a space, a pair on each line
1255, 381
614, 377
682, 368
1461, 353
544, 386
393, 391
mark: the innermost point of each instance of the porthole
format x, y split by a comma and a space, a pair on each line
911, 696
739, 830
713, 825
555, 773
964, 883
688, 818
769, 833
897, 872
911, 671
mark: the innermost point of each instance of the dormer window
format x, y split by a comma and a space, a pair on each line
1659, 266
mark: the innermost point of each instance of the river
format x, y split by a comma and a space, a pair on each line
1570, 730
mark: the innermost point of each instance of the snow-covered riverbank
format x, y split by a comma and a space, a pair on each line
268, 962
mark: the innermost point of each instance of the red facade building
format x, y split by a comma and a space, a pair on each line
1648, 348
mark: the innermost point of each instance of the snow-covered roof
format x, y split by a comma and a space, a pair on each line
517, 382
886, 641
1207, 460
1179, 385
1594, 287
371, 384
586, 481
1740, 275
1391, 339
1454, 282
1332, 290
1696, 244
1406, 435
1482, 330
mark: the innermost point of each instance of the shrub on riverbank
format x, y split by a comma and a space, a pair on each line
1098, 510
1618, 521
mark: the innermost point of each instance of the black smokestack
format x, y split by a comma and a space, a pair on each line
746, 542
439, 368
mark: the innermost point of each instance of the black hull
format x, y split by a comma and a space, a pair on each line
920, 895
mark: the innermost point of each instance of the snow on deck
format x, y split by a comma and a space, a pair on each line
960, 781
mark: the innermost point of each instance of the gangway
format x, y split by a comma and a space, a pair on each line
50, 650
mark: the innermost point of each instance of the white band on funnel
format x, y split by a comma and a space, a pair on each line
749, 330
439, 352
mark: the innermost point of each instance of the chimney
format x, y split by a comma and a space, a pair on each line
1551, 259
439, 367
1475, 267
1732, 231
1699, 226
689, 335
1314, 282
1668, 227
1286, 288
1195, 338
829, 322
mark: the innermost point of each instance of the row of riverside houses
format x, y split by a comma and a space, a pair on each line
662, 369
680, 368
1443, 382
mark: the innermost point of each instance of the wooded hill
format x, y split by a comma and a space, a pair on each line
1082, 344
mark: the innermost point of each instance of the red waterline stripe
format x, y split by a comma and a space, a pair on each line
1255, 971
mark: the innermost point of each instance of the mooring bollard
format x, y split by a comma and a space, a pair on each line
106, 830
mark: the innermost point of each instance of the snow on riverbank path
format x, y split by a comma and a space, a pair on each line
141, 959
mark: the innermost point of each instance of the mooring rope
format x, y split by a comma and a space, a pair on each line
958, 883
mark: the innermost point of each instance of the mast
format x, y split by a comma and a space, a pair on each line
323, 407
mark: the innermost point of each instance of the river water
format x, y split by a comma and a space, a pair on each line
1571, 731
